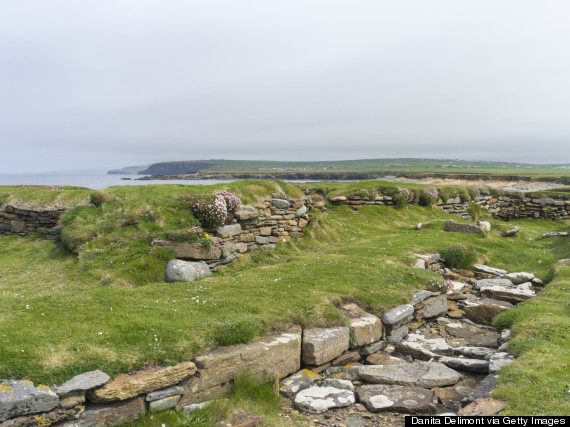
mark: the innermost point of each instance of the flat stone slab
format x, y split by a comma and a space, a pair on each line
475, 365
372, 348
165, 403
317, 400
484, 310
83, 382
398, 316
321, 345
338, 383
512, 295
557, 234
420, 347
185, 271
383, 359
410, 400
394, 336
417, 374
111, 414
453, 226
126, 386
21, 398
489, 270
422, 295
227, 231
520, 277
431, 307
487, 283
474, 352
164, 393
298, 381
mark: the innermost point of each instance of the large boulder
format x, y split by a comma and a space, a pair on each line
321, 345
410, 400
458, 227
417, 374
22, 398
186, 271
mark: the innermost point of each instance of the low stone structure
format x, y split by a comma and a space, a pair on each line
22, 222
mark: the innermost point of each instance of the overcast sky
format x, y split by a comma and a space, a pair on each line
111, 83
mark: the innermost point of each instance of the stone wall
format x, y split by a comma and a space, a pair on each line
500, 207
22, 222
268, 222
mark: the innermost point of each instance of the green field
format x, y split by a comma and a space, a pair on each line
100, 301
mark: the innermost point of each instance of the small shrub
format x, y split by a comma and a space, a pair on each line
457, 256
463, 195
96, 199
402, 197
362, 193
473, 192
428, 196
238, 331
495, 193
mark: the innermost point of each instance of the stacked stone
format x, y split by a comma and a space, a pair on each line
275, 220
23, 222
501, 207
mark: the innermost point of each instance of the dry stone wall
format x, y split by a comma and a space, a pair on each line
501, 207
276, 219
23, 222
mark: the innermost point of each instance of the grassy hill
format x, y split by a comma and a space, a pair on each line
102, 303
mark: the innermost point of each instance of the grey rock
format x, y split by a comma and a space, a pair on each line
394, 336
22, 398
498, 360
519, 278
431, 307
484, 310
186, 271
557, 234
511, 232
422, 295
419, 374
83, 382
395, 398
298, 381
301, 211
112, 414
188, 409
484, 225
420, 263
537, 282
512, 295
343, 372
398, 316
246, 212
227, 231
483, 390
458, 227
487, 283
164, 393
228, 248
317, 400
372, 348
489, 270
474, 352
321, 345
163, 404
260, 240
419, 347
367, 327
338, 383
505, 336
476, 365
280, 203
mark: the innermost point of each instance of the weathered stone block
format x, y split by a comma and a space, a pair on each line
321, 345
112, 414
280, 203
127, 386
431, 307
275, 355
367, 327
163, 404
398, 316
21, 398
453, 226
186, 271
228, 231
